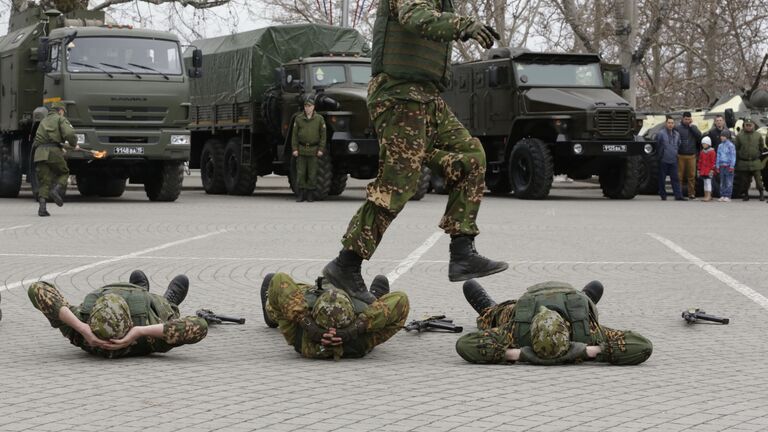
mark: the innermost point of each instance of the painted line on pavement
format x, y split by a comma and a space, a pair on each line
15, 227
110, 260
411, 259
712, 270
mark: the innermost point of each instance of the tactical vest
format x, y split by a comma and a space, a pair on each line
352, 349
572, 305
404, 54
146, 308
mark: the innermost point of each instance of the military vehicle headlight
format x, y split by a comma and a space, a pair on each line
80, 138
577, 149
648, 149
180, 139
353, 147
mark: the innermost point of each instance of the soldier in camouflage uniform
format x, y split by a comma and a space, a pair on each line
122, 319
411, 55
54, 136
750, 145
308, 144
322, 322
552, 323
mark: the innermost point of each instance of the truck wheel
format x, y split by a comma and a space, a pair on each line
437, 184
212, 167
10, 179
88, 186
238, 179
112, 187
619, 179
531, 169
324, 177
164, 182
648, 175
498, 184
423, 185
338, 184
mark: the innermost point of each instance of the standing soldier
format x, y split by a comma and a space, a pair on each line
749, 146
411, 56
308, 143
54, 136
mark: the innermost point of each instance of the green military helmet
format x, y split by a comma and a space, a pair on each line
333, 309
550, 334
59, 105
110, 317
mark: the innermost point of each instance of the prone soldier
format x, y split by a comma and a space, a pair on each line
321, 321
552, 323
122, 319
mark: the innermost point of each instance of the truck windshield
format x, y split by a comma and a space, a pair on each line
557, 75
122, 55
361, 74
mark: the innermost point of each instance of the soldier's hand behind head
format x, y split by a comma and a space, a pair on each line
330, 338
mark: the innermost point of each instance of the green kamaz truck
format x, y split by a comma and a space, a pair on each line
543, 114
126, 92
255, 82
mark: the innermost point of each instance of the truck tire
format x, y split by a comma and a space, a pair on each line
423, 185
238, 179
531, 169
437, 184
619, 179
10, 179
112, 187
648, 175
338, 184
88, 186
212, 167
324, 177
164, 182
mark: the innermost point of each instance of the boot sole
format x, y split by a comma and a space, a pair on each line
264, 292
464, 277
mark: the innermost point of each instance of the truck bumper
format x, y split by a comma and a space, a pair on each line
577, 148
134, 144
356, 157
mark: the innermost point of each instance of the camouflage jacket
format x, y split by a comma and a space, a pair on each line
309, 134
54, 129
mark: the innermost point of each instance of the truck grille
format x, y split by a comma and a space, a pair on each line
613, 123
143, 115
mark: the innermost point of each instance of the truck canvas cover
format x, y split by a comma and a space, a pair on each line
240, 67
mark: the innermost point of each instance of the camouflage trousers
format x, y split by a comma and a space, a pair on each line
412, 134
287, 304
51, 172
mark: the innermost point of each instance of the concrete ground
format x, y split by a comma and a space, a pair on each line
655, 259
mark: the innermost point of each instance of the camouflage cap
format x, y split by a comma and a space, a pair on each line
59, 105
333, 309
550, 334
110, 317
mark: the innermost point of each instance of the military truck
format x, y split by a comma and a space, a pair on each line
125, 90
242, 111
543, 114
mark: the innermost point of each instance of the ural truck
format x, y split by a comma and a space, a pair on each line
543, 114
255, 82
125, 90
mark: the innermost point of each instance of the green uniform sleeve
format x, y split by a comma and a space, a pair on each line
295, 134
67, 133
187, 330
424, 17
287, 304
485, 346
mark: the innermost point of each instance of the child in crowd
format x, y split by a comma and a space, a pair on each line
706, 166
726, 161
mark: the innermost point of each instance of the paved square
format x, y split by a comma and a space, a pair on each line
655, 258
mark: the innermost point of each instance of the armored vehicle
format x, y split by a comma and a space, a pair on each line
125, 90
242, 111
542, 114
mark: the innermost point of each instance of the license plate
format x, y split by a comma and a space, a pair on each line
129, 150
615, 148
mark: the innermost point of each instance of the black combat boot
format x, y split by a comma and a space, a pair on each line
177, 290
746, 196
477, 296
138, 278
344, 273
264, 292
300, 195
57, 195
42, 210
593, 290
762, 195
466, 263
310, 195
380, 286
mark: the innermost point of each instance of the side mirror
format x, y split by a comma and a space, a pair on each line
730, 118
279, 76
196, 71
493, 76
625, 79
43, 52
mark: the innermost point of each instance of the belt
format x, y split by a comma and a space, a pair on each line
749, 160
49, 145
308, 145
